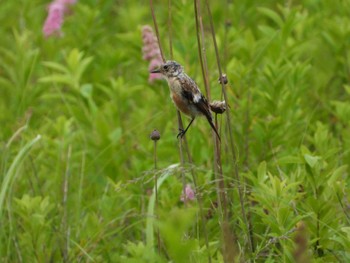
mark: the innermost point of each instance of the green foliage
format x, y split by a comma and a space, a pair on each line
34, 223
76, 112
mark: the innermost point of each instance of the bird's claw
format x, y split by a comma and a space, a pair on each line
181, 133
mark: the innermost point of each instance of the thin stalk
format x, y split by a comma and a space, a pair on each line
221, 193
184, 140
246, 160
170, 32
183, 177
205, 73
156, 192
64, 222
202, 58
231, 140
157, 30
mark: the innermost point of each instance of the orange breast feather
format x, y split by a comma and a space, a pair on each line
181, 104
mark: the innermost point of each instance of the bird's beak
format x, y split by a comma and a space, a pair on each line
157, 70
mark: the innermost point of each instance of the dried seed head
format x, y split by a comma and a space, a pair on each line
223, 79
155, 135
217, 106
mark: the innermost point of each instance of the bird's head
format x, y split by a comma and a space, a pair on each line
169, 69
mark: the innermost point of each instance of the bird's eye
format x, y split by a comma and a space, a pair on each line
166, 67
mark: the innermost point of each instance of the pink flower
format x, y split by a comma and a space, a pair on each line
56, 11
70, 2
151, 52
189, 193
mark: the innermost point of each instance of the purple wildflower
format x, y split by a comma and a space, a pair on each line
189, 193
151, 52
56, 11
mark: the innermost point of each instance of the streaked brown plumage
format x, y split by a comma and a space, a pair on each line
185, 93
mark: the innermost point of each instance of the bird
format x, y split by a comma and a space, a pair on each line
185, 94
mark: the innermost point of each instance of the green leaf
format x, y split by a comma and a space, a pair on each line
57, 78
115, 135
347, 89
342, 170
290, 160
272, 15
262, 172
86, 90
55, 66
311, 160
15, 166
151, 206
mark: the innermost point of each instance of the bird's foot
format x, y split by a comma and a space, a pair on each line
181, 133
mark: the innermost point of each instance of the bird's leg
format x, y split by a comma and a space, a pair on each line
182, 132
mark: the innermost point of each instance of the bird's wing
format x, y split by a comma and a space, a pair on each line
190, 90
192, 93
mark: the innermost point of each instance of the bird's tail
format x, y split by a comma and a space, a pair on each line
210, 120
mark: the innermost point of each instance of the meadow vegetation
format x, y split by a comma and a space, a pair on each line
77, 165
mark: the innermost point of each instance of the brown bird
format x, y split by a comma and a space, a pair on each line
185, 94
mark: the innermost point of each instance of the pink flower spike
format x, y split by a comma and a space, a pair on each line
151, 52
55, 18
189, 194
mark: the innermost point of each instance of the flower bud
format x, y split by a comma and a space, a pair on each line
155, 135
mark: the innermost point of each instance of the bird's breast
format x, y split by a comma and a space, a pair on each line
175, 86
181, 104
176, 95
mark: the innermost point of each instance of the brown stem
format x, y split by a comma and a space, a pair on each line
170, 33
156, 192
222, 200
157, 31
231, 140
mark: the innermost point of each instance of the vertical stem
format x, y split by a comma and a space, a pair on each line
205, 72
246, 159
65, 209
156, 28
180, 125
204, 67
231, 141
170, 30
155, 144
156, 192
202, 58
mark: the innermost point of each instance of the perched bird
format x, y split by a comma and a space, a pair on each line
185, 94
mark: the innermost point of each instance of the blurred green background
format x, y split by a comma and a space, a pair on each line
80, 191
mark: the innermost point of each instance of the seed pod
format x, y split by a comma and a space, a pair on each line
155, 135
217, 106
223, 79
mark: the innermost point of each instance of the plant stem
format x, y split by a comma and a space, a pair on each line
64, 222
231, 140
156, 192
170, 33
157, 31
